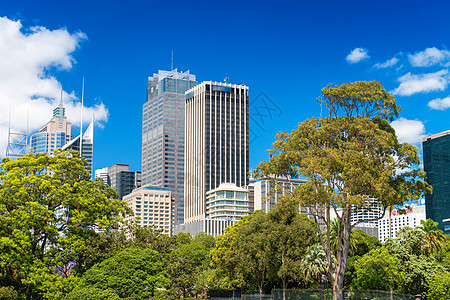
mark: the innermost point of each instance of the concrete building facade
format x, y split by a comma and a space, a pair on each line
217, 142
152, 206
120, 178
163, 140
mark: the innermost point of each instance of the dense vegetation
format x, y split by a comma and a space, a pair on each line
62, 235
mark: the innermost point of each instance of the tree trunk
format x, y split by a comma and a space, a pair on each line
242, 293
341, 265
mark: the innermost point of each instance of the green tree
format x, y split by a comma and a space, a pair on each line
439, 287
346, 156
315, 263
187, 265
378, 270
416, 263
48, 206
132, 274
289, 235
434, 236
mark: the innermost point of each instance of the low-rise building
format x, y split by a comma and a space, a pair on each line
152, 206
227, 202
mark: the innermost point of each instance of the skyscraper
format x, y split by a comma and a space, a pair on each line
163, 134
54, 134
217, 138
436, 162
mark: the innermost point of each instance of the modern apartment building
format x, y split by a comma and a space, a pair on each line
411, 218
163, 139
217, 141
54, 134
152, 206
436, 162
227, 202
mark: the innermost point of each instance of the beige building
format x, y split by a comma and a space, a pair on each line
216, 142
152, 206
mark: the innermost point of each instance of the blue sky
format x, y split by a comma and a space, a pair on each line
284, 51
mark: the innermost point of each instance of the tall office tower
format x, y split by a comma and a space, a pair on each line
163, 134
55, 134
217, 138
436, 162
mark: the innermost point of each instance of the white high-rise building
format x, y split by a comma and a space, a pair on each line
217, 141
411, 218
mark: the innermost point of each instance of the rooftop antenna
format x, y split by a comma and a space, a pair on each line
171, 63
81, 117
226, 78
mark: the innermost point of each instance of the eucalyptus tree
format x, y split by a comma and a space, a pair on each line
346, 156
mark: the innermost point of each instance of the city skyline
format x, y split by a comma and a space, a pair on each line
287, 54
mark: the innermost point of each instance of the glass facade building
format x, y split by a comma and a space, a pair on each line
53, 135
163, 134
436, 162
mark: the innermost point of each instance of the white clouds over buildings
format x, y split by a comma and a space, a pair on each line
26, 85
357, 55
411, 84
429, 57
409, 131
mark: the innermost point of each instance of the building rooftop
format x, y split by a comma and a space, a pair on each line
215, 83
435, 136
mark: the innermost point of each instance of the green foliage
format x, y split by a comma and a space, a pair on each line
378, 270
264, 248
37, 244
188, 265
346, 156
434, 236
315, 262
8, 293
132, 273
419, 267
439, 287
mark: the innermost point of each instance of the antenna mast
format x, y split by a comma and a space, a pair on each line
17, 142
81, 118
171, 62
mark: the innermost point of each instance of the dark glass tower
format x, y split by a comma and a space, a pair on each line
163, 134
436, 161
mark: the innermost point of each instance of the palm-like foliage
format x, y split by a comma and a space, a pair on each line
434, 236
334, 229
315, 262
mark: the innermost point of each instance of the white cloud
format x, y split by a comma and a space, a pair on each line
357, 55
26, 85
389, 63
409, 131
411, 84
439, 104
428, 57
